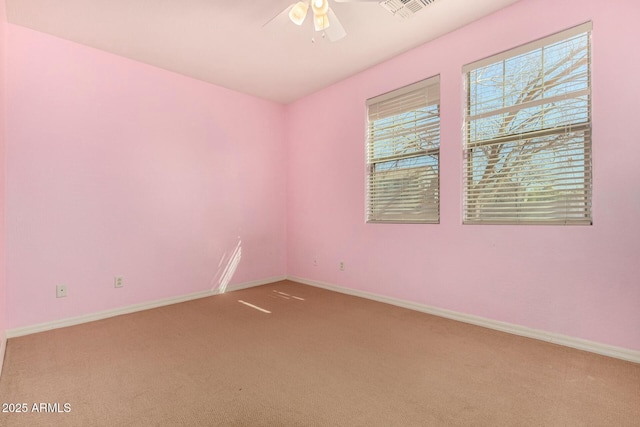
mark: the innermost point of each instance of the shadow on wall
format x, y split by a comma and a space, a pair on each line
226, 268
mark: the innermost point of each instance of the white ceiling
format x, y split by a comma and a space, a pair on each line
225, 42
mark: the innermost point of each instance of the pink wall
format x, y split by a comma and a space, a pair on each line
118, 168
577, 281
3, 30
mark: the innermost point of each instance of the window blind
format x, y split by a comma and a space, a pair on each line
403, 149
527, 154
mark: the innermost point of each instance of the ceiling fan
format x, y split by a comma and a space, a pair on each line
324, 18
326, 21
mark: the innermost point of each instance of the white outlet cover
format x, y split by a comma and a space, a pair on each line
61, 291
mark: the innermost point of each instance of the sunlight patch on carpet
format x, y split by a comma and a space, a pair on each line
287, 295
254, 306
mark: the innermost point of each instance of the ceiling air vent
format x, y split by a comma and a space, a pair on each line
405, 8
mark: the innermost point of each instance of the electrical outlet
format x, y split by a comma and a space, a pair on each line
118, 281
61, 291
341, 265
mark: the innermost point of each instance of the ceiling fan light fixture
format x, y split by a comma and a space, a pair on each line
319, 7
321, 22
298, 13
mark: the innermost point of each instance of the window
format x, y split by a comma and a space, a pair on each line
403, 149
527, 153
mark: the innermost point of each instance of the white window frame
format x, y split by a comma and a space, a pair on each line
402, 151
551, 180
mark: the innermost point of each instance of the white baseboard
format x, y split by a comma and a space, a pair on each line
62, 323
567, 341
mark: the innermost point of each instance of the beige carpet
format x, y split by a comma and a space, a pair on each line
321, 359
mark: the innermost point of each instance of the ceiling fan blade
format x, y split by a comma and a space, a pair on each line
358, 1
335, 31
280, 17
